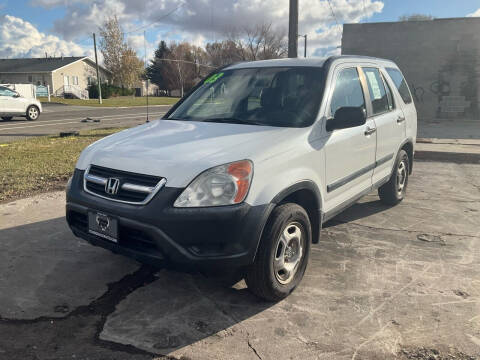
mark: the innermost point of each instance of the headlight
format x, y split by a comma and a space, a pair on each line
222, 185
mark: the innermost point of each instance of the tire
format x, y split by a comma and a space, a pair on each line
288, 230
7, 118
33, 113
395, 189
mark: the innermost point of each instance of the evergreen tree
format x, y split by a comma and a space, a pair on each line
157, 69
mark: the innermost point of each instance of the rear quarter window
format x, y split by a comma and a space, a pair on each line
400, 84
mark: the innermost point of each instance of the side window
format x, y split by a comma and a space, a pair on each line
6, 92
378, 95
348, 91
400, 84
391, 103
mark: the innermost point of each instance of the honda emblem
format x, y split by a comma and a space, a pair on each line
112, 185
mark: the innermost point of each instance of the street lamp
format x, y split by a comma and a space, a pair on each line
305, 49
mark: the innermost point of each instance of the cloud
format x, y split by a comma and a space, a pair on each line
474, 14
19, 38
199, 20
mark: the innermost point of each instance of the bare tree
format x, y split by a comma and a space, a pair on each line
248, 44
260, 42
182, 66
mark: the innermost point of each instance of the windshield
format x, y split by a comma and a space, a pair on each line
280, 96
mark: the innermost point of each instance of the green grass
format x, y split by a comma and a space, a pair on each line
114, 101
41, 164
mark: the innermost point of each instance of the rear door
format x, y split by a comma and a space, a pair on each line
389, 121
350, 153
405, 101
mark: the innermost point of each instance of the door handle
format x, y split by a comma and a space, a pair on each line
369, 131
400, 119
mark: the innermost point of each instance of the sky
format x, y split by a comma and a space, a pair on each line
31, 28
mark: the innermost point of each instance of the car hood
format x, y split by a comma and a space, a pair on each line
180, 150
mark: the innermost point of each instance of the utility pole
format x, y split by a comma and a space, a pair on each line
98, 72
305, 47
293, 29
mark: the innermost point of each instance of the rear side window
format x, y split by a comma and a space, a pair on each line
401, 84
376, 88
389, 93
348, 91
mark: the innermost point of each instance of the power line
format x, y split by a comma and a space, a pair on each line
157, 20
189, 62
333, 12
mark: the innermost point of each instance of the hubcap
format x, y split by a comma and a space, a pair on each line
401, 176
288, 253
33, 113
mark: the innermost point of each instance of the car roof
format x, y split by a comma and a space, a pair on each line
310, 62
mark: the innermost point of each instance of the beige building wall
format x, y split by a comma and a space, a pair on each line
79, 71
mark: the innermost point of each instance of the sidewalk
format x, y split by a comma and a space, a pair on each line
451, 150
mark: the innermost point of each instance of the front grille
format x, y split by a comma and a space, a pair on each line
132, 188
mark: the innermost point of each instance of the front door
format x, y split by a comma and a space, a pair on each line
350, 153
389, 121
8, 103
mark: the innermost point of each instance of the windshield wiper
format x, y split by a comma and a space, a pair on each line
232, 121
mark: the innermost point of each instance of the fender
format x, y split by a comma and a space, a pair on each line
406, 141
316, 214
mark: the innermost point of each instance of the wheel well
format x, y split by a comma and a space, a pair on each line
308, 200
408, 147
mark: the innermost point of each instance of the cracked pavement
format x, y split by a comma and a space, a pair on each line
401, 282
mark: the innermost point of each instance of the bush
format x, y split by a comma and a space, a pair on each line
109, 91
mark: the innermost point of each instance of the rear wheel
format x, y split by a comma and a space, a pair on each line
282, 255
7, 118
33, 113
394, 190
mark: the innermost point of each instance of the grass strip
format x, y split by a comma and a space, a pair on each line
42, 164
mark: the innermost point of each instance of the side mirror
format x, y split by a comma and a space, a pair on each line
17, 95
347, 117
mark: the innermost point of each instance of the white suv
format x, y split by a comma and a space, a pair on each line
242, 172
13, 104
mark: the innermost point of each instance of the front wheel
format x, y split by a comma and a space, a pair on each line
33, 113
394, 190
283, 254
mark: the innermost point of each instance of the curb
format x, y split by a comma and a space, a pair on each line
444, 156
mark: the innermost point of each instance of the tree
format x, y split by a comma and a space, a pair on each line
177, 66
416, 17
158, 68
260, 42
112, 46
184, 68
132, 68
121, 60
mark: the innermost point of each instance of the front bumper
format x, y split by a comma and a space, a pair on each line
157, 232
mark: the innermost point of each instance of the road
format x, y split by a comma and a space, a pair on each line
57, 118
384, 282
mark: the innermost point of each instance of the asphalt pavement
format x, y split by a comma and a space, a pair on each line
57, 118
398, 282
